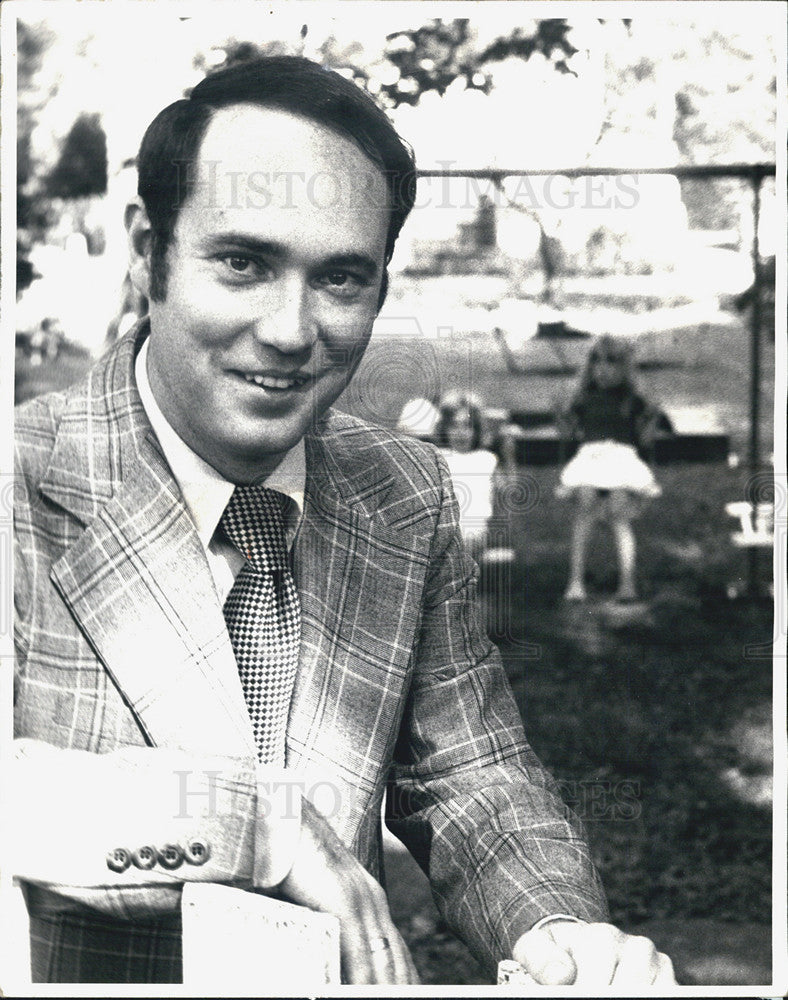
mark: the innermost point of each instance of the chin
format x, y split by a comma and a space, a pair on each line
258, 449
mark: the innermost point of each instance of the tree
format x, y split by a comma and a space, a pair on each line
234, 51
439, 52
81, 169
32, 210
428, 58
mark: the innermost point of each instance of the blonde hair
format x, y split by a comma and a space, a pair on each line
449, 407
616, 350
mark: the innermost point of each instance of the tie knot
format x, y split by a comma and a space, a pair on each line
254, 522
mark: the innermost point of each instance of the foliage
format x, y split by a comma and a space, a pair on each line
31, 211
733, 109
439, 52
235, 50
428, 58
714, 90
82, 166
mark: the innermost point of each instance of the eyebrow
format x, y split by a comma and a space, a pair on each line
269, 248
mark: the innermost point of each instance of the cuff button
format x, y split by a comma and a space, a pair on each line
118, 859
144, 857
170, 856
197, 851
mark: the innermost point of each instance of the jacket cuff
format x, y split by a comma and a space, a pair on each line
278, 825
554, 917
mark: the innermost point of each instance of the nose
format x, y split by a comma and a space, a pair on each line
286, 319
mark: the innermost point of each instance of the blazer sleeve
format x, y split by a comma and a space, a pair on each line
467, 794
121, 832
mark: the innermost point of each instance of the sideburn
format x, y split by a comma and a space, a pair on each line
159, 269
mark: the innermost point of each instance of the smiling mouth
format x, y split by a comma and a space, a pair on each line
275, 383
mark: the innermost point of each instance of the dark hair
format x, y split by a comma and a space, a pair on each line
448, 409
172, 141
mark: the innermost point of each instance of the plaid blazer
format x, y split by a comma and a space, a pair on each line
122, 643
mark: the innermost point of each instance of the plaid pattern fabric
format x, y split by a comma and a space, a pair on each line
74, 948
121, 641
263, 615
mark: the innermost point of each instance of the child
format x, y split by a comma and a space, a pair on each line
458, 433
612, 422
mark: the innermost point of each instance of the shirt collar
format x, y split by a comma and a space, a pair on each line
204, 490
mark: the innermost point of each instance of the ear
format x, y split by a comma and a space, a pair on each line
140, 234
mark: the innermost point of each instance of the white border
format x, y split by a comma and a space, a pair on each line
770, 12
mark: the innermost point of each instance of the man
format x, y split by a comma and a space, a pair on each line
269, 205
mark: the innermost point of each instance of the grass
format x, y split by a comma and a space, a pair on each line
637, 719
33, 380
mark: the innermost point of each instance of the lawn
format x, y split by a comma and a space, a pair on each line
638, 714
33, 380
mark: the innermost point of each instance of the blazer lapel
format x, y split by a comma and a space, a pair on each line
137, 579
354, 571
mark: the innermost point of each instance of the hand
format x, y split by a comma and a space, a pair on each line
562, 953
326, 877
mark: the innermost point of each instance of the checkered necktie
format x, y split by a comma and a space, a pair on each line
263, 615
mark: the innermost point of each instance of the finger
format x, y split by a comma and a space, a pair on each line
665, 974
367, 960
409, 971
359, 926
357, 961
373, 950
395, 962
638, 963
545, 960
595, 949
326, 877
592, 949
392, 964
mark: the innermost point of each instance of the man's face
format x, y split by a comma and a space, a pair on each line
274, 274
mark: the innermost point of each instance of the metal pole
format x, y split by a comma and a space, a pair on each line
742, 170
753, 585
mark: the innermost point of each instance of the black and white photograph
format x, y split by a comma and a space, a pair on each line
393, 500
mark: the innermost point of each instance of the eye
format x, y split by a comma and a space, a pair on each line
239, 264
342, 284
239, 267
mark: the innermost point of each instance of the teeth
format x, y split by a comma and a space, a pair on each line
268, 382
